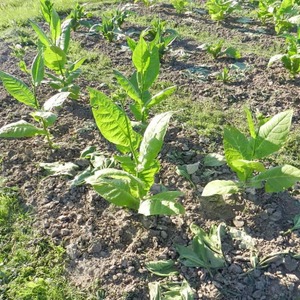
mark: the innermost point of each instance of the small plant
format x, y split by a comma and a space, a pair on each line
205, 250
219, 9
224, 76
56, 50
145, 58
291, 59
146, 2
130, 186
180, 5
296, 226
242, 155
217, 50
110, 27
78, 17
44, 115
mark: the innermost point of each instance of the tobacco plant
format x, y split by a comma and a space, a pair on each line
78, 17
291, 59
217, 50
130, 186
145, 58
45, 115
219, 9
56, 49
180, 5
243, 153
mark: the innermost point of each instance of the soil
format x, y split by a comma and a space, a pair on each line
111, 244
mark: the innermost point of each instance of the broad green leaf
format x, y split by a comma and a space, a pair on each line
220, 187
55, 58
154, 291
47, 117
276, 179
152, 69
272, 135
56, 101
112, 122
148, 175
60, 169
162, 204
46, 7
214, 160
64, 38
141, 56
55, 26
250, 121
236, 145
244, 168
116, 191
18, 89
127, 163
41, 34
186, 291
233, 53
296, 221
189, 258
37, 69
162, 267
129, 88
153, 140
20, 129
156, 99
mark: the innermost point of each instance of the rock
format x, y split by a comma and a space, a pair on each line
290, 264
235, 269
163, 234
55, 233
257, 294
73, 251
65, 232
95, 248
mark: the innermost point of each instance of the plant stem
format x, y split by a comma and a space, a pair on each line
47, 134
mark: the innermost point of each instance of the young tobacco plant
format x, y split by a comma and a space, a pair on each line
78, 17
243, 153
56, 50
291, 59
219, 9
145, 58
217, 50
45, 115
130, 186
180, 5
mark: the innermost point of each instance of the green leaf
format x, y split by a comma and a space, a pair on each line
233, 53
276, 179
156, 99
152, 69
64, 37
275, 58
60, 169
272, 135
116, 191
46, 7
162, 204
18, 89
55, 26
162, 267
56, 101
48, 117
245, 168
250, 121
220, 187
141, 56
153, 140
41, 34
154, 291
148, 175
20, 129
37, 69
214, 160
129, 88
112, 122
77, 64
55, 58
186, 291
296, 221
236, 145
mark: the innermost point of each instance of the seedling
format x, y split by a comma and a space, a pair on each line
130, 186
110, 27
205, 250
225, 76
44, 115
56, 50
78, 17
217, 50
291, 59
180, 5
219, 9
242, 155
296, 226
145, 58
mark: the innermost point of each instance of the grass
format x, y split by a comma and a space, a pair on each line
31, 266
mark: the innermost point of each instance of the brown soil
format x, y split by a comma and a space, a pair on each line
111, 244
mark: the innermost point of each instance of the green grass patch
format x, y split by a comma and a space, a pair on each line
31, 266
